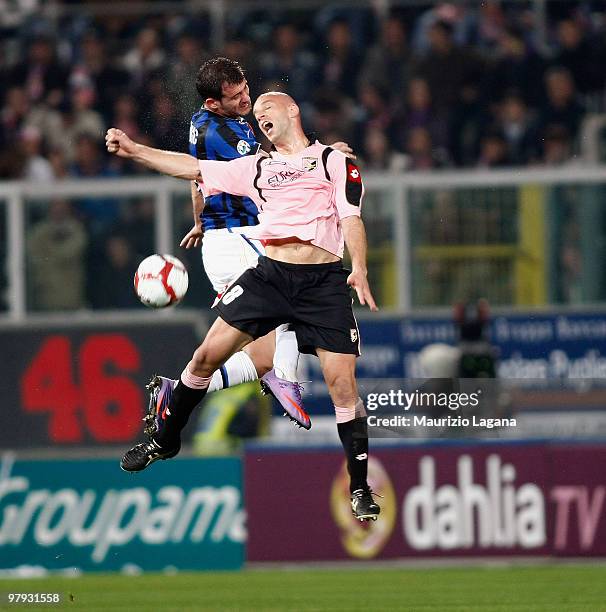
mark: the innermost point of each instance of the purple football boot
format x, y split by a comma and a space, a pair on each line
289, 395
160, 391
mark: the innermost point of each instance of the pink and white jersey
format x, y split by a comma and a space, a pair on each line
304, 195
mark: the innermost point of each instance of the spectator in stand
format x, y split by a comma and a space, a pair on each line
182, 69
99, 212
125, 115
493, 150
13, 116
518, 128
373, 111
112, 286
456, 15
56, 249
514, 67
97, 70
36, 167
332, 113
88, 159
489, 25
378, 154
138, 222
18, 112
289, 63
145, 59
446, 67
419, 112
557, 146
584, 59
387, 62
420, 152
59, 165
467, 121
164, 127
561, 106
341, 62
41, 75
81, 118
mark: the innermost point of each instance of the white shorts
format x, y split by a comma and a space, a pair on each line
226, 254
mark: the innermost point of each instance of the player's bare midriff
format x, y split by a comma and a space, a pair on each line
291, 250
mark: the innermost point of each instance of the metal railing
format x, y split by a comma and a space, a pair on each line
419, 227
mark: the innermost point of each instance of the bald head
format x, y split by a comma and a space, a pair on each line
278, 97
278, 116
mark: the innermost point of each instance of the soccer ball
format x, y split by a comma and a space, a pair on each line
160, 281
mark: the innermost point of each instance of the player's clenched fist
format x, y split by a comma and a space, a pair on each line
119, 143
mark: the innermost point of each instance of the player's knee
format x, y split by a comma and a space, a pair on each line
342, 388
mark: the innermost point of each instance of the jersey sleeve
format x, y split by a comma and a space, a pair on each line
349, 189
235, 177
231, 142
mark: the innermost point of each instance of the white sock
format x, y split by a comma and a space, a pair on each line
286, 357
238, 369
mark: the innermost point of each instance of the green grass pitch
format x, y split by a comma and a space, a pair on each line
558, 588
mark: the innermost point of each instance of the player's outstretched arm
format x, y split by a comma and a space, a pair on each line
355, 239
193, 238
179, 165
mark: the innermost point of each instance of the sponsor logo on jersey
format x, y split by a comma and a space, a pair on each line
310, 163
285, 176
243, 147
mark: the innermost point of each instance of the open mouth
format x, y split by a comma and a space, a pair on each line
266, 126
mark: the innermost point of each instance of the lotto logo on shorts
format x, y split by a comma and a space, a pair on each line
353, 334
235, 292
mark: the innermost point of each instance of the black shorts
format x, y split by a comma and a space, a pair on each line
314, 298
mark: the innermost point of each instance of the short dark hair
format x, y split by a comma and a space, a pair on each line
216, 71
446, 27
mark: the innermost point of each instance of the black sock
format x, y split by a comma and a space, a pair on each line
354, 438
182, 404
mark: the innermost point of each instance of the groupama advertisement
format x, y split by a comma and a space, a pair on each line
86, 514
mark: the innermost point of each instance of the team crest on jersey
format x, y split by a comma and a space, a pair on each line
310, 163
243, 147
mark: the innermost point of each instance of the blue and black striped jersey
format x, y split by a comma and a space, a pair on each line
212, 136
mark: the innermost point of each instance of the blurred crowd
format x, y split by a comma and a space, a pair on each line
419, 88
478, 84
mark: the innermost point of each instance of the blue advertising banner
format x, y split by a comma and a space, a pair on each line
530, 346
89, 515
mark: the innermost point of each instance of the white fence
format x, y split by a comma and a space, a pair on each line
389, 196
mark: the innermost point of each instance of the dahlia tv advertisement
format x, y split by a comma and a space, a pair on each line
460, 500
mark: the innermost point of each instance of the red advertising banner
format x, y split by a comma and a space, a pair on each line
456, 500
